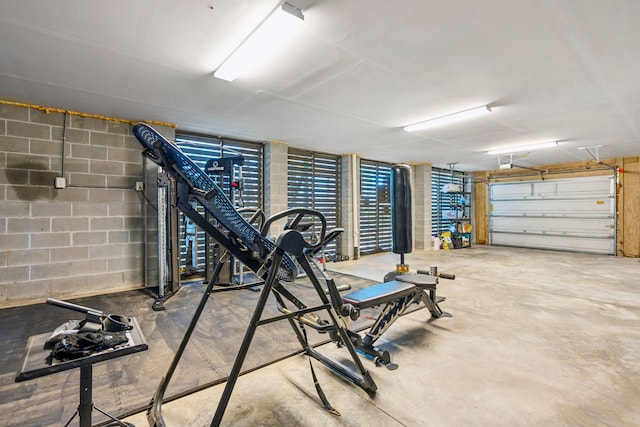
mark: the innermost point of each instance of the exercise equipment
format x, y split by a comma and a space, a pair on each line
271, 261
228, 169
80, 338
191, 242
226, 172
313, 256
94, 319
401, 288
401, 220
277, 263
392, 299
168, 248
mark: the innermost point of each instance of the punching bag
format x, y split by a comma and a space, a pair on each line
401, 225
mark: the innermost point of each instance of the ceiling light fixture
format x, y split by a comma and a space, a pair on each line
523, 148
461, 115
277, 28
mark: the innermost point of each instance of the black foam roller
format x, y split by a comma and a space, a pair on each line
401, 224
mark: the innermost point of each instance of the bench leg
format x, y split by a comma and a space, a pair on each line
431, 302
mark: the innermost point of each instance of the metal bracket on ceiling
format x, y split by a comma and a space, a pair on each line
596, 155
451, 166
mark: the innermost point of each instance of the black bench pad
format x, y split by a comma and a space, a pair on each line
422, 281
379, 294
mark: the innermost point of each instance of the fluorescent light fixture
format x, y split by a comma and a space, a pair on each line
279, 27
466, 114
524, 148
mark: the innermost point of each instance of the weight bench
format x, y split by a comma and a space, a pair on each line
271, 261
393, 297
392, 300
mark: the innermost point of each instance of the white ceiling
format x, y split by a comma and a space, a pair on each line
359, 70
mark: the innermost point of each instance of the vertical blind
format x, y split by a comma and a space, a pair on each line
200, 149
314, 182
375, 207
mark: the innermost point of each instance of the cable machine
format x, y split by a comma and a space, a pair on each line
168, 248
226, 171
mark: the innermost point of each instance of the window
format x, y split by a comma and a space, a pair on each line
375, 207
314, 183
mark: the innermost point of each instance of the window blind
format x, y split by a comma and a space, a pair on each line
375, 207
314, 182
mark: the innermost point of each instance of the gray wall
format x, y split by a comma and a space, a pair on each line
85, 239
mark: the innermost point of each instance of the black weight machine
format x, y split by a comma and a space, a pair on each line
226, 172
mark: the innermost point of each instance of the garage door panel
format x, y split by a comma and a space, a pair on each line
557, 206
572, 244
554, 225
585, 187
568, 214
566, 189
505, 191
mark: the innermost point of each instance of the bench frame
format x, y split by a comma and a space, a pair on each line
391, 309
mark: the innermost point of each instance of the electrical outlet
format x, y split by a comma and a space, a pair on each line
139, 186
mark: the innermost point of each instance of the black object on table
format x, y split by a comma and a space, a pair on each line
37, 362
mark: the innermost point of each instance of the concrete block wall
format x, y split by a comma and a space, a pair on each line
422, 206
87, 238
150, 213
276, 158
350, 205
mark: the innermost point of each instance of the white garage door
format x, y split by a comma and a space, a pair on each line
564, 214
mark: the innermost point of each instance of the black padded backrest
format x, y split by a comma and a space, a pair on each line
159, 149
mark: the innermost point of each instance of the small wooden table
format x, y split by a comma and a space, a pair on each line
36, 363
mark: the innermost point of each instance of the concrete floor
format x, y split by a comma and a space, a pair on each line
537, 338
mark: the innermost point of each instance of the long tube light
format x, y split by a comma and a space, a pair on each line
522, 148
461, 115
277, 28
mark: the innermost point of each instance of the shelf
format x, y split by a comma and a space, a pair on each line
455, 210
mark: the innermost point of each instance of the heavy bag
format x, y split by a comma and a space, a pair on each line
401, 225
